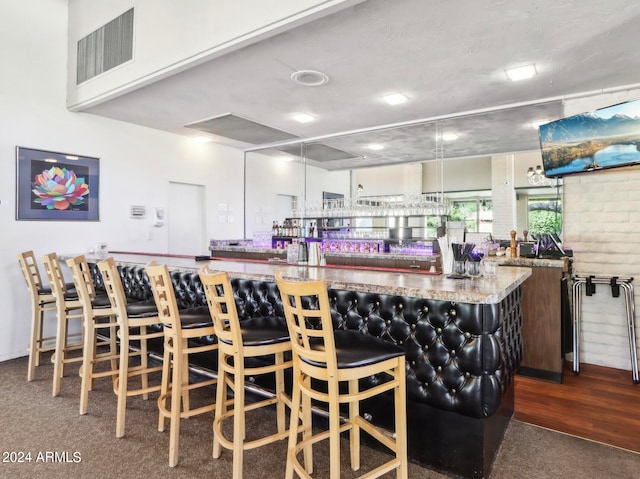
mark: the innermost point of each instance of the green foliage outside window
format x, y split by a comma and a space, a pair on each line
545, 217
476, 214
465, 211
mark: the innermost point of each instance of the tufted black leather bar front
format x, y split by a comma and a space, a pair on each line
461, 359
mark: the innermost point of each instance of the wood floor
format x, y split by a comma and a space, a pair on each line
601, 404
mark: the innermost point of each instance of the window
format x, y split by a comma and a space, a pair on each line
544, 215
476, 213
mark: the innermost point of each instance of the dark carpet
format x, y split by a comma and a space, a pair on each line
45, 437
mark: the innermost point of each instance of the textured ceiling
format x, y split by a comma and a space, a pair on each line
448, 57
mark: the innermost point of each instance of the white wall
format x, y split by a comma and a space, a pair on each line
169, 39
136, 164
381, 180
459, 174
270, 176
601, 223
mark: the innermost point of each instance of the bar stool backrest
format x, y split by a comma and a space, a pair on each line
55, 276
82, 280
222, 306
113, 287
31, 272
308, 315
165, 298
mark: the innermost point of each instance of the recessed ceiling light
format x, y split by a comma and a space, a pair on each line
303, 117
375, 146
449, 136
202, 139
309, 78
71, 157
395, 98
50, 160
521, 73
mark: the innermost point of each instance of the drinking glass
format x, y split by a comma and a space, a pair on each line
473, 268
459, 267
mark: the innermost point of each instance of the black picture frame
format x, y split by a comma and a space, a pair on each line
54, 186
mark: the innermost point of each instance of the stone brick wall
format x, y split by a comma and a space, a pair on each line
602, 224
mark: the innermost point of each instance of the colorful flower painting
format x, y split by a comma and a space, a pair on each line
56, 186
59, 188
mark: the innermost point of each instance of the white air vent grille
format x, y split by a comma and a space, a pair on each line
137, 212
109, 46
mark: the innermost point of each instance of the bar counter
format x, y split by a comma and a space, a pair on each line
481, 290
462, 337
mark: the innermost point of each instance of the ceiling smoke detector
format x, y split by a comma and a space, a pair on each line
309, 78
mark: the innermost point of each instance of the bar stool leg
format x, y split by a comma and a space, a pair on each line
86, 370
308, 428
59, 355
280, 405
239, 431
354, 433
334, 430
164, 389
400, 404
176, 397
35, 341
631, 330
122, 384
577, 308
144, 361
183, 374
294, 420
221, 407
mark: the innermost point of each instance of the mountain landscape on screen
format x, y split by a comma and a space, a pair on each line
604, 138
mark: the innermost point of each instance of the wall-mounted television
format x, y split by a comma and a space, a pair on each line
600, 139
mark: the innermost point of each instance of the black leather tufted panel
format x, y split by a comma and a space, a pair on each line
460, 357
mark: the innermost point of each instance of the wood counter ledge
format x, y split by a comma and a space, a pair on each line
482, 290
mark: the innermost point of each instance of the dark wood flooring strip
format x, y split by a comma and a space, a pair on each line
601, 404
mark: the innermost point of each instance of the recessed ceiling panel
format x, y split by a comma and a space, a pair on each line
318, 152
238, 128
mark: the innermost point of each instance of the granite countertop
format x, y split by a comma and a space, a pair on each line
482, 290
529, 262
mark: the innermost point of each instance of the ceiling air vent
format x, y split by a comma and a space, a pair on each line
238, 128
107, 47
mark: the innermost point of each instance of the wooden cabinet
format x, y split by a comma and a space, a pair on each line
544, 320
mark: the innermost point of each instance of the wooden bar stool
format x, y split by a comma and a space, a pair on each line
42, 300
133, 320
238, 341
178, 329
323, 358
68, 306
98, 315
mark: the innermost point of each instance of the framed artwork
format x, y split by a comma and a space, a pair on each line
56, 186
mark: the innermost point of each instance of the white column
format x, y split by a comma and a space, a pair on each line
503, 196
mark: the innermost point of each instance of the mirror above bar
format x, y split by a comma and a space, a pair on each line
397, 182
